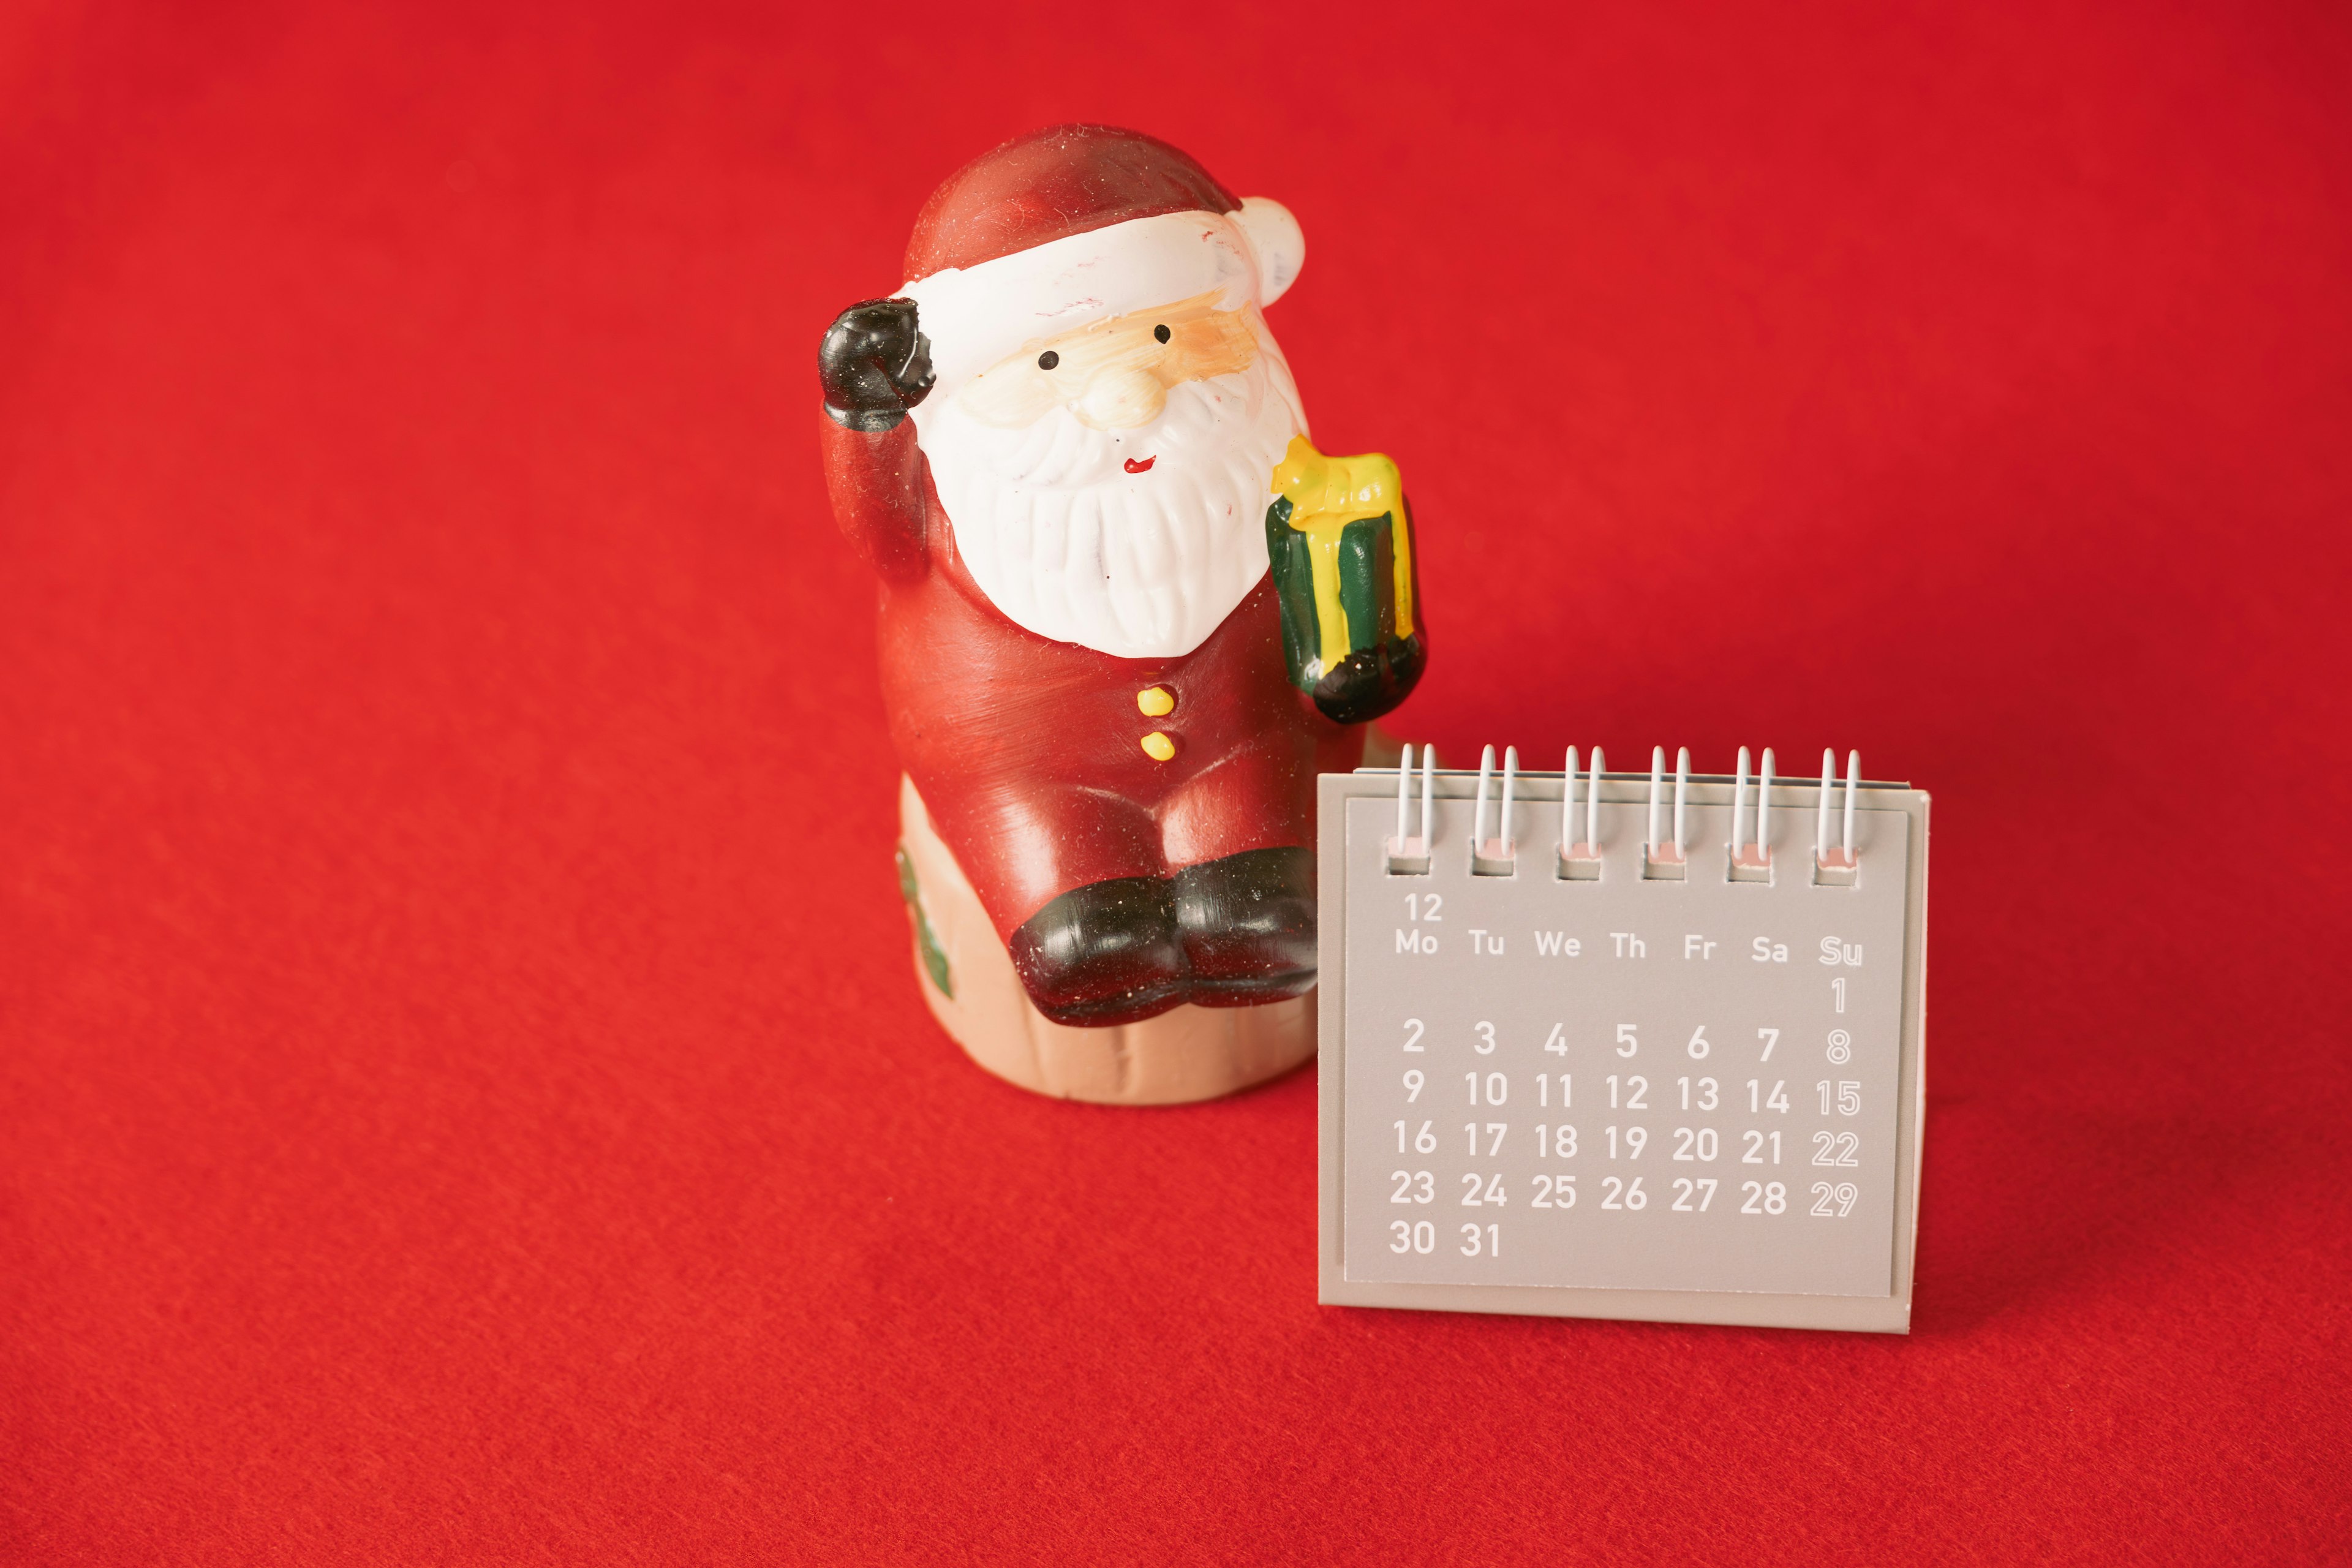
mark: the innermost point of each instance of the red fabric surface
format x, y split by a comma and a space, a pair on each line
463, 1096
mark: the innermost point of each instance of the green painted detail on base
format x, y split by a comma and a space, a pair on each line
926, 941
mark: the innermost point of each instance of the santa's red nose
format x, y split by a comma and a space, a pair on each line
1135, 467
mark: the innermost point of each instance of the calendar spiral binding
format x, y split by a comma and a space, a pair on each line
1749, 856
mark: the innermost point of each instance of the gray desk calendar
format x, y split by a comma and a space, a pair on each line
1613, 1046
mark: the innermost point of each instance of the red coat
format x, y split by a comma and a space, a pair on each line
1030, 753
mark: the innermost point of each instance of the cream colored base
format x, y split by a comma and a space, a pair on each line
1186, 1054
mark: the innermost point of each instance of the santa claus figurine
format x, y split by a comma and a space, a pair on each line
1127, 612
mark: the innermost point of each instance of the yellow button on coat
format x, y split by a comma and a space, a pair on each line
1155, 700
1159, 747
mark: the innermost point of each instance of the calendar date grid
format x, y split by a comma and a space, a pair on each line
1689, 1139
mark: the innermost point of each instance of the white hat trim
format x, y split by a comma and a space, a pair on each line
976, 316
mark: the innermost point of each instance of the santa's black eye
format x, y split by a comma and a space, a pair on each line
1161, 333
1048, 360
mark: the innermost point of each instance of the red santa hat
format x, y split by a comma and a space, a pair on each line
1076, 223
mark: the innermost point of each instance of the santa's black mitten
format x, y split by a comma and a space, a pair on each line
1369, 681
875, 364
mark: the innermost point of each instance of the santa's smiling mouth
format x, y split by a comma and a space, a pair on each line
1133, 466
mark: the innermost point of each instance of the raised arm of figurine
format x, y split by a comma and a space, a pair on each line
875, 364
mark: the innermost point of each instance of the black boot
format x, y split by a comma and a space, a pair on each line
1104, 954
1247, 923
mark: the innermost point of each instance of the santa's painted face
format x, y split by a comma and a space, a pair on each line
1109, 486
1115, 375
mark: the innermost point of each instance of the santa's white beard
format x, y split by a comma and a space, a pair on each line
1071, 546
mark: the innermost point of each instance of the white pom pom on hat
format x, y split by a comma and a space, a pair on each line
1278, 240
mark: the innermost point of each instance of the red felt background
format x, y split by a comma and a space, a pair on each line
463, 1097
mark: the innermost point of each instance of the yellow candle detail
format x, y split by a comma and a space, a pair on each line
1159, 747
1153, 701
